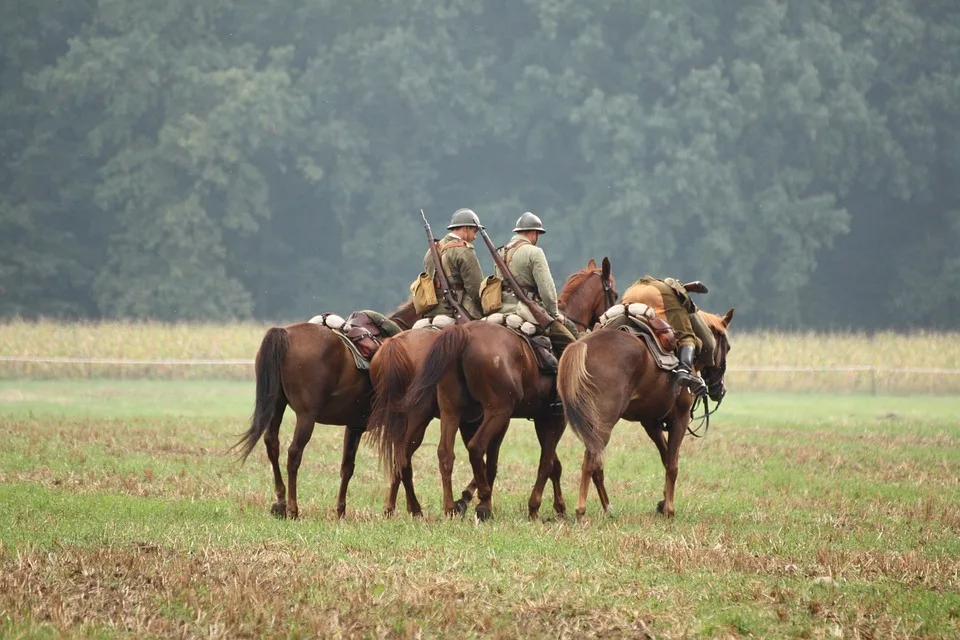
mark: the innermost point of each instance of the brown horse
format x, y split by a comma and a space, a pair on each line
401, 429
308, 367
611, 375
486, 367
392, 369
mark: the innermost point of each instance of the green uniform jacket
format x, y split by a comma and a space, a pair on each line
464, 274
529, 266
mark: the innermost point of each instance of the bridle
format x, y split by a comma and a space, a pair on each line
609, 296
713, 380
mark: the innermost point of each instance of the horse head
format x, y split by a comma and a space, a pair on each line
584, 297
713, 373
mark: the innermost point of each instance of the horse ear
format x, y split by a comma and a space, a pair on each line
728, 318
606, 268
592, 264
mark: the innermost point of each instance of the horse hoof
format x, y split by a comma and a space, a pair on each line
610, 513
341, 513
417, 513
279, 510
293, 514
460, 507
534, 515
388, 513
484, 514
580, 513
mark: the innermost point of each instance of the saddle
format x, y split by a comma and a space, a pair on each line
358, 332
533, 336
642, 322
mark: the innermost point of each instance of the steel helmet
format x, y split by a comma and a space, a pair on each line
529, 222
464, 218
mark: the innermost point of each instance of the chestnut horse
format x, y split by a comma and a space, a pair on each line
308, 367
485, 366
611, 375
401, 429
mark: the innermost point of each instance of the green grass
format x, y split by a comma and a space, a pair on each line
121, 515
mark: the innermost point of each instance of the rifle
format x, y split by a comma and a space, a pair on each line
695, 287
460, 315
543, 318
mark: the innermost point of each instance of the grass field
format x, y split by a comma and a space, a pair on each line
798, 516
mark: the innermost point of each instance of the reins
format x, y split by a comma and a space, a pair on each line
704, 419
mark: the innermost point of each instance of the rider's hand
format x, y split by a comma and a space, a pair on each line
561, 319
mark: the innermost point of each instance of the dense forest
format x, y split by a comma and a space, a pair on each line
230, 159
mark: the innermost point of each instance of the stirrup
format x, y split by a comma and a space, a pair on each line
691, 381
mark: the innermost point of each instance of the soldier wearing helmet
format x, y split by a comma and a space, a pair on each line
459, 260
529, 266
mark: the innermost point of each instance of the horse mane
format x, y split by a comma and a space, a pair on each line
714, 321
573, 284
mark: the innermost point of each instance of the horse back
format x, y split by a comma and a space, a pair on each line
320, 376
500, 368
631, 384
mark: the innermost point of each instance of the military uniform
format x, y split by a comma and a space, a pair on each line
460, 264
671, 301
529, 267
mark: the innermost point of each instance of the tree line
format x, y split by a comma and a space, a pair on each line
233, 159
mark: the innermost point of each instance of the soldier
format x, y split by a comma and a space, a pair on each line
529, 266
670, 300
459, 260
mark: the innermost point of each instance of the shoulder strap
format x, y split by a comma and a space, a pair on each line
509, 251
451, 245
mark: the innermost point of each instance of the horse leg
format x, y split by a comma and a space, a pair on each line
351, 442
592, 464
467, 432
548, 436
271, 440
654, 429
493, 427
390, 503
678, 427
559, 505
301, 436
413, 505
449, 423
406, 474
414, 438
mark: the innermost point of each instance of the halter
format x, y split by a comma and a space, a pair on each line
716, 377
608, 295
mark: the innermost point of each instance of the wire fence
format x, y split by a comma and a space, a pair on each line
851, 378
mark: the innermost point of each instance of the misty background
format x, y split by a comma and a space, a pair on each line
235, 159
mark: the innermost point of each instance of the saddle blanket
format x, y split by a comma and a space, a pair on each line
360, 335
642, 322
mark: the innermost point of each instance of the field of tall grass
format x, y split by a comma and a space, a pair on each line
890, 362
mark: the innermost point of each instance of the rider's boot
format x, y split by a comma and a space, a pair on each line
685, 374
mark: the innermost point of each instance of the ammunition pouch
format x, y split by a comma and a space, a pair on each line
491, 294
424, 294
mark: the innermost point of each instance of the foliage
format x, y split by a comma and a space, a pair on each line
240, 159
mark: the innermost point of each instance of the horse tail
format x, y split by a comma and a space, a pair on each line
578, 393
269, 394
387, 425
447, 349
